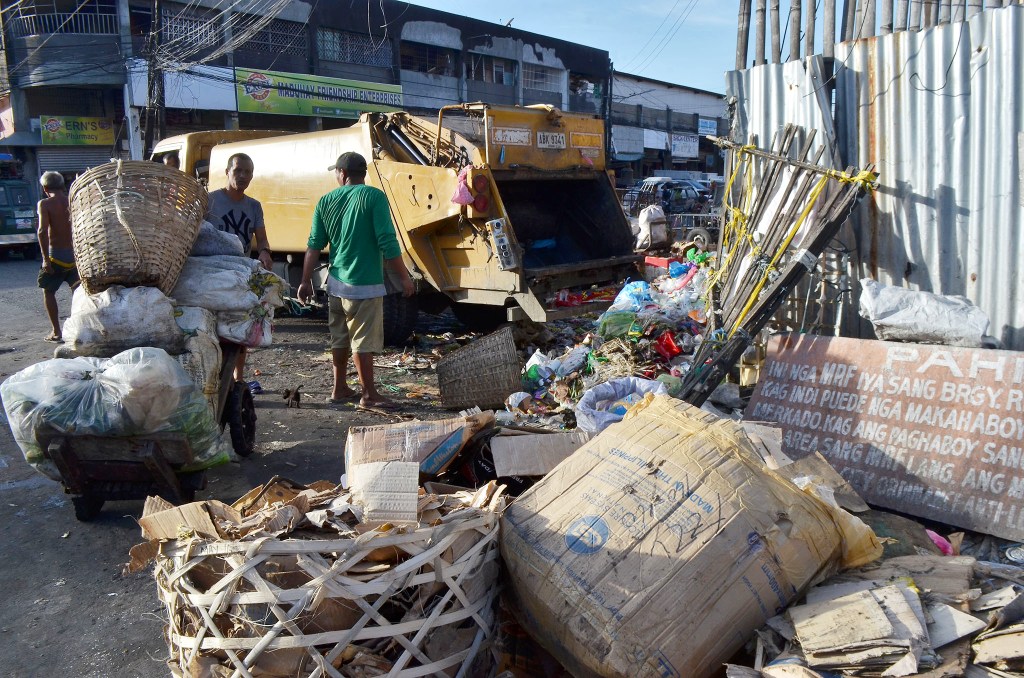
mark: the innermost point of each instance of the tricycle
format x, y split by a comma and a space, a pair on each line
95, 469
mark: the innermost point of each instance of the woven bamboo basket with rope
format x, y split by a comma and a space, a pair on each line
134, 223
388, 602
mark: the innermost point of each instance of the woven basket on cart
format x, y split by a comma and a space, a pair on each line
133, 224
482, 373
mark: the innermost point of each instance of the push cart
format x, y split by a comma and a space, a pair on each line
95, 469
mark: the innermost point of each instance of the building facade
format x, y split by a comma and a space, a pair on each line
83, 81
658, 126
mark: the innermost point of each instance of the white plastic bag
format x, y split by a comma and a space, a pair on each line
135, 393
120, 318
653, 227
899, 314
211, 242
251, 328
605, 404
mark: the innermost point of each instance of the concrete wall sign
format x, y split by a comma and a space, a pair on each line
934, 431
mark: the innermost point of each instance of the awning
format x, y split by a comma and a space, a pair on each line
656, 139
627, 143
23, 139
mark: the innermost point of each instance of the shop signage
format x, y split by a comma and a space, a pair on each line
706, 126
297, 94
934, 431
64, 130
684, 145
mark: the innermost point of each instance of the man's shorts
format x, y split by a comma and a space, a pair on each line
59, 274
357, 324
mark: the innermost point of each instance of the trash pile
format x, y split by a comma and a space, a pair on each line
904, 616
292, 580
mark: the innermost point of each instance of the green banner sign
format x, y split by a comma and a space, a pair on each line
64, 130
296, 94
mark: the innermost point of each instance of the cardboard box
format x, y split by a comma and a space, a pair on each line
660, 546
433, 444
160, 522
534, 454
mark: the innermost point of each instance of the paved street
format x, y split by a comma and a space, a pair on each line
68, 610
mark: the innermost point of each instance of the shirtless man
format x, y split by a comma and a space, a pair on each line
55, 243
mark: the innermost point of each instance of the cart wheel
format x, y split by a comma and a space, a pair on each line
701, 238
241, 418
87, 507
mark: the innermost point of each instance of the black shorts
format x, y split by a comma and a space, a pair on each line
58, 275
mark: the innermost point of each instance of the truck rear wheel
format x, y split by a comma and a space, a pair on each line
400, 314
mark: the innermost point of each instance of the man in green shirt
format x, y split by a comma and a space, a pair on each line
355, 220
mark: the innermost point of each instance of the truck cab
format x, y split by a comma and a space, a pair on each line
18, 220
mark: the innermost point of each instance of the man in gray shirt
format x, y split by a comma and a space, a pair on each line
232, 211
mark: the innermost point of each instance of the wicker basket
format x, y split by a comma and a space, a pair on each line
306, 607
483, 373
133, 224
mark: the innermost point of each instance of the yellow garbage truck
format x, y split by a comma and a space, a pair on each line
497, 208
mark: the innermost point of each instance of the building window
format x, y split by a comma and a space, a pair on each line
187, 28
484, 68
352, 48
428, 58
542, 78
276, 37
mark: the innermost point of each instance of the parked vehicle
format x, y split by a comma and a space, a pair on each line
18, 220
534, 213
193, 149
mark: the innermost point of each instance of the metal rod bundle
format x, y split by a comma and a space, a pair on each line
796, 208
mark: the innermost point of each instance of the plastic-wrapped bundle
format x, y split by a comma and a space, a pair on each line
899, 314
120, 318
224, 283
135, 393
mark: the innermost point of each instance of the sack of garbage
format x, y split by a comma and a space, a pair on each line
251, 328
225, 283
202, 357
660, 546
605, 404
899, 314
653, 227
135, 393
120, 318
211, 241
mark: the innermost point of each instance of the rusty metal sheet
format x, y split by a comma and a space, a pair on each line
933, 431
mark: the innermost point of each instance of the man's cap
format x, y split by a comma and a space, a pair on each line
349, 162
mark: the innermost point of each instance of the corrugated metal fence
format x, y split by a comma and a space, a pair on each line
941, 113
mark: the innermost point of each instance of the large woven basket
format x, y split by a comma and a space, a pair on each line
312, 607
134, 223
482, 373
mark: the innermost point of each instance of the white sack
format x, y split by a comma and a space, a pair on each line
250, 328
120, 318
653, 227
899, 314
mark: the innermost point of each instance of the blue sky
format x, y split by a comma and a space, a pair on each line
685, 42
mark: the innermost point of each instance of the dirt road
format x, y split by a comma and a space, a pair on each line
68, 609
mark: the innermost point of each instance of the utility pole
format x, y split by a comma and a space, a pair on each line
156, 125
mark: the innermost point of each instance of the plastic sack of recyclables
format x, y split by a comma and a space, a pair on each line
135, 393
899, 314
224, 283
250, 328
212, 241
119, 318
607, 403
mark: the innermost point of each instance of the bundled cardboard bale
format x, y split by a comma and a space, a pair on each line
293, 581
661, 545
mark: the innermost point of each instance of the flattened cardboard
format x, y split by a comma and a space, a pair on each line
198, 517
660, 546
533, 455
432, 444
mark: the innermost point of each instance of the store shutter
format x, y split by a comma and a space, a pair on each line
72, 159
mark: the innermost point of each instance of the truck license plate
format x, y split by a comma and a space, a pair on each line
551, 140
